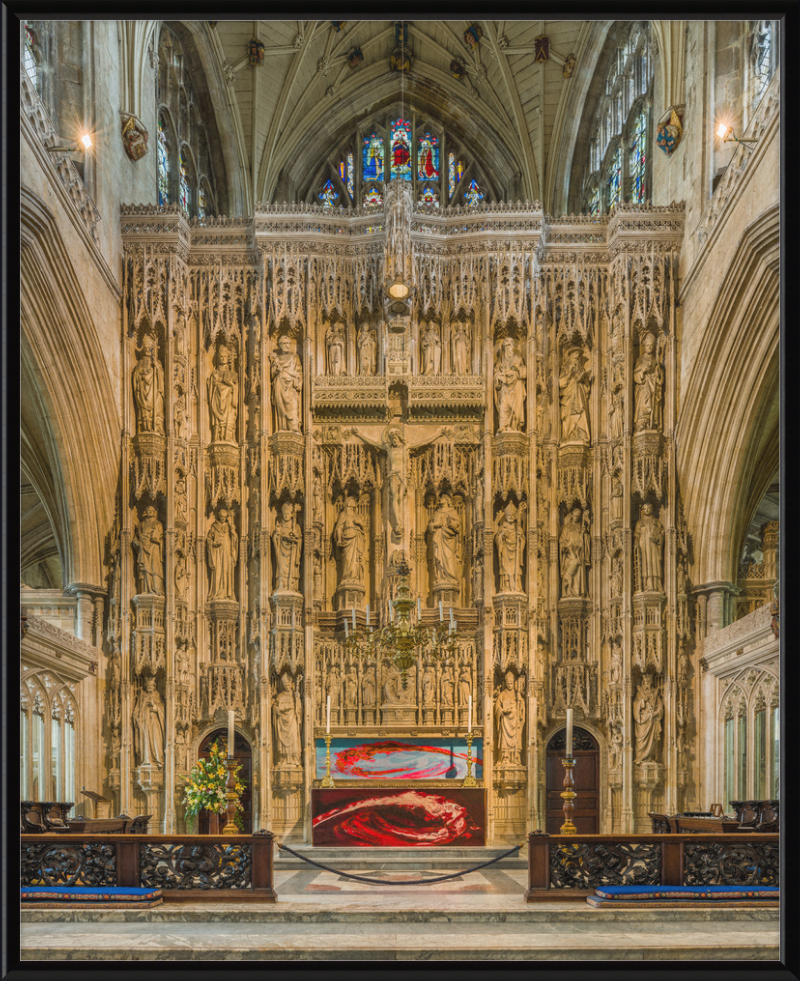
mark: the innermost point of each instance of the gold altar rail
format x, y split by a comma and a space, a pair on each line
187, 868
571, 867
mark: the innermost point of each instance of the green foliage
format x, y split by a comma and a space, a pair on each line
206, 785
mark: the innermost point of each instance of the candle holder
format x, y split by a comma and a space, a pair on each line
568, 795
327, 780
231, 797
469, 780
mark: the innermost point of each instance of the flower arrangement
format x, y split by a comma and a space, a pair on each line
207, 783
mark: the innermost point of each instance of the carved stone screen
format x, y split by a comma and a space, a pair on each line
292, 436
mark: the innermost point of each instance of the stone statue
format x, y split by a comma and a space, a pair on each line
392, 686
350, 688
428, 685
615, 673
574, 549
615, 751
509, 716
448, 687
431, 346
181, 499
368, 689
148, 539
445, 528
648, 543
480, 494
333, 683
509, 388
223, 397
337, 355
287, 711
616, 576
615, 415
148, 388
543, 415
348, 536
574, 385
367, 349
181, 577
181, 417
648, 711
509, 539
464, 686
648, 380
287, 540
222, 554
461, 349
287, 384
148, 724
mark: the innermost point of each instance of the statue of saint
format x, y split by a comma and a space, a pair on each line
367, 349
181, 576
223, 397
148, 540
428, 685
509, 715
509, 539
444, 528
574, 549
648, 380
148, 724
348, 536
335, 342
287, 711
368, 689
648, 711
648, 543
464, 686
392, 686
448, 687
461, 349
350, 688
574, 385
287, 384
148, 388
509, 388
222, 554
287, 540
431, 345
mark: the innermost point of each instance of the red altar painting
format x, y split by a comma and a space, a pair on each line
368, 816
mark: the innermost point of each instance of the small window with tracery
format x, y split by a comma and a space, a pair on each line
455, 171
162, 158
614, 182
400, 153
328, 195
638, 158
28, 56
185, 186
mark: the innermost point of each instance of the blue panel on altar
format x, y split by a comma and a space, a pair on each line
400, 759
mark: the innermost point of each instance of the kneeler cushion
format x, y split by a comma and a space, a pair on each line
625, 893
129, 895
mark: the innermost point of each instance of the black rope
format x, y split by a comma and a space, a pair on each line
388, 882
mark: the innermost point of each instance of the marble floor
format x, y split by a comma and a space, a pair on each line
322, 916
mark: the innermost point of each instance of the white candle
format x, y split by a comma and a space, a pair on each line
367, 614
419, 607
230, 733
469, 716
293, 618
441, 613
569, 734
451, 614
391, 613
354, 618
328, 715
346, 626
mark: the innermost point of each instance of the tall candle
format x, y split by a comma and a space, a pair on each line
354, 618
441, 613
391, 613
469, 715
346, 626
294, 612
569, 734
367, 614
419, 607
230, 733
328, 715
451, 614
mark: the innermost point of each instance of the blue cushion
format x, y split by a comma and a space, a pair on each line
90, 893
687, 892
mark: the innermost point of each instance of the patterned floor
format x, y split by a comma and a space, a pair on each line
488, 882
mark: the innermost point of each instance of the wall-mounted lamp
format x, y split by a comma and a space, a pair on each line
726, 134
85, 140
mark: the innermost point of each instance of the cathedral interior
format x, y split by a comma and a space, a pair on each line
480, 317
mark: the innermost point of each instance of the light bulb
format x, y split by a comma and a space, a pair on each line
86, 140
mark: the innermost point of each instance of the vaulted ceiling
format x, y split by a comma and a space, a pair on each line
520, 116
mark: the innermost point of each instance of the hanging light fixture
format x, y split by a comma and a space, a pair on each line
398, 289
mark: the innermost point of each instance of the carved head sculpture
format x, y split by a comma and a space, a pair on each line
149, 683
224, 356
648, 343
286, 681
507, 349
287, 511
394, 436
284, 344
647, 509
350, 503
509, 680
150, 512
149, 347
223, 515
575, 514
511, 512
445, 501
572, 356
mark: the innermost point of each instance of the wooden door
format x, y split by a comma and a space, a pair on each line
586, 816
244, 755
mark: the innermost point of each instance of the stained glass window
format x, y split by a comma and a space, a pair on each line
638, 158
373, 197
614, 179
185, 187
373, 158
429, 196
455, 171
350, 185
202, 202
473, 194
762, 58
428, 157
594, 200
401, 150
163, 164
328, 195
29, 60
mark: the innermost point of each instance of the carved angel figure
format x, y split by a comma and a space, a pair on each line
509, 388
223, 397
148, 388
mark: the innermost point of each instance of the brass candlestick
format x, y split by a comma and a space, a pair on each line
326, 780
568, 795
469, 780
231, 797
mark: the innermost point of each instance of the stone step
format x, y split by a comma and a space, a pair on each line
427, 859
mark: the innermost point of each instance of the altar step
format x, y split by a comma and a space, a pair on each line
399, 859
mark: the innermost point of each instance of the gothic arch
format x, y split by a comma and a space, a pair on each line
69, 451
727, 434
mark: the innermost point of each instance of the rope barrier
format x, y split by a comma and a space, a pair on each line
385, 882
